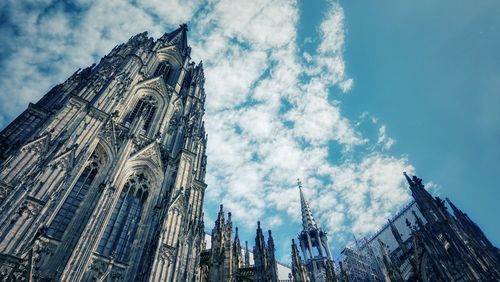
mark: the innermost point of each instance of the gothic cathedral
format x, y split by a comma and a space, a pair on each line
103, 178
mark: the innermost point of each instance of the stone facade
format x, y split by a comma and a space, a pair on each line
445, 248
103, 178
425, 242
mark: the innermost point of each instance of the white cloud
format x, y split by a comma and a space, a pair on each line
319, 121
231, 77
172, 11
261, 23
385, 141
268, 126
332, 31
370, 190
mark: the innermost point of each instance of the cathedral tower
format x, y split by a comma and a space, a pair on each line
103, 178
447, 247
314, 246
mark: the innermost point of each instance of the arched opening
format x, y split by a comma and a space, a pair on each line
146, 107
121, 229
77, 195
163, 69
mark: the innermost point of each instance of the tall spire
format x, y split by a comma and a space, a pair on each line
391, 270
408, 179
308, 221
178, 37
237, 257
271, 258
247, 254
432, 209
314, 245
456, 211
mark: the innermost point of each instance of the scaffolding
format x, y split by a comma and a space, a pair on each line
361, 264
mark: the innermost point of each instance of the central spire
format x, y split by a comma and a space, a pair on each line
308, 221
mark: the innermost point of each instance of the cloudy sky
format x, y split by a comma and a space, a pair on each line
344, 95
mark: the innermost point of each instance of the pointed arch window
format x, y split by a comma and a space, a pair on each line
163, 69
67, 211
122, 227
146, 106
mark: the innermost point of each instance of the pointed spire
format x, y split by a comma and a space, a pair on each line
432, 209
178, 37
271, 259
408, 179
237, 250
219, 222
295, 250
298, 270
414, 181
308, 222
247, 254
392, 270
259, 238
418, 220
456, 211
395, 232
236, 236
270, 240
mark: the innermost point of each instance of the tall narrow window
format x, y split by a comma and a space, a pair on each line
120, 232
163, 69
74, 199
146, 107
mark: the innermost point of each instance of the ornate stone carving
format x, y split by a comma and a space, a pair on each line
156, 85
65, 160
165, 155
123, 85
5, 190
173, 123
167, 252
29, 209
99, 267
113, 134
139, 144
41, 248
38, 145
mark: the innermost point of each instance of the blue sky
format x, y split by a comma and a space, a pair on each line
344, 95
